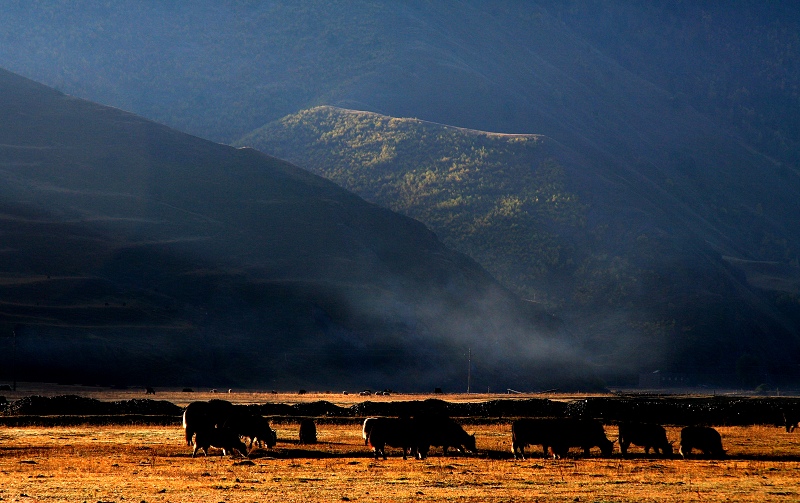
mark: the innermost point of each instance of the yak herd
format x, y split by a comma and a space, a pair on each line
220, 424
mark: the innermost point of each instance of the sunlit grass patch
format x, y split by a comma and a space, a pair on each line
127, 463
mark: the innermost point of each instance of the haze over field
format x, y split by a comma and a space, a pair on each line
645, 198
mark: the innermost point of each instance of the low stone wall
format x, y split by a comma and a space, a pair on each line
72, 409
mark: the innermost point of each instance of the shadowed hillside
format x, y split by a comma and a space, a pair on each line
133, 252
639, 267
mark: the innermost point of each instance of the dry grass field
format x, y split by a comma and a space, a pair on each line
153, 464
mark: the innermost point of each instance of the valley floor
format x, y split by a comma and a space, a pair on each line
153, 464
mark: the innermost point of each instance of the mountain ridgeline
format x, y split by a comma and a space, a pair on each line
502, 199
220, 69
134, 253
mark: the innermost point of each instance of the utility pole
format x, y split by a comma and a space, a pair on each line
469, 368
14, 357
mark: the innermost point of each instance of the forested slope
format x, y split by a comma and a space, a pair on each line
645, 274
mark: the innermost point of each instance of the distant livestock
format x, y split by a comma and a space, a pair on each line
308, 431
703, 438
394, 432
441, 431
149, 391
557, 435
222, 438
645, 435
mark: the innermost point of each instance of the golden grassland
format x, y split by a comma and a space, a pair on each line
153, 464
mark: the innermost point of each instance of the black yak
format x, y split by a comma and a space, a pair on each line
221, 438
557, 435
221, 413
441, 431
205, 415
645, 435
394, 432
705, 438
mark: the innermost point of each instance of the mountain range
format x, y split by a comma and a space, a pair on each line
134, 253
664, 135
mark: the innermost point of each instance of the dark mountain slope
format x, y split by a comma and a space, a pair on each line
133, 252
738, 62
679, 121
640, 263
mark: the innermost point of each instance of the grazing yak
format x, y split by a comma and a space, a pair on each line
645, 435
525, 432
222, 438
705, 438
441, 431
205, 415
221, 413
394, 432
583, 433
253, 426
557, 435
791, 419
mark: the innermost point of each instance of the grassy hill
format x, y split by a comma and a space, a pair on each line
132, 252
502, 199
637, 269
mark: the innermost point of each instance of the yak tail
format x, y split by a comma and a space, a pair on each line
189, 433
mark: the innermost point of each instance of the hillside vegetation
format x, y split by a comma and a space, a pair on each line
502, 199
635, 285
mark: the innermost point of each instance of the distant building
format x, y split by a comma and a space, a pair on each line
659, 379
